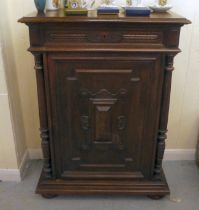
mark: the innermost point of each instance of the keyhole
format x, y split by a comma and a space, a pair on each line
104, 36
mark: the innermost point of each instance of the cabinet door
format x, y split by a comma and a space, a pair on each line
104, 115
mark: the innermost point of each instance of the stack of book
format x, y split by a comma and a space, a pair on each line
76, 12
108, 10
137, 11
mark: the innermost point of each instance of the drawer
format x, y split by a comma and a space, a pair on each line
95, 35
102, 36
129, 37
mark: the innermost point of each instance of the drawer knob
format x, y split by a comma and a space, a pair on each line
105, 37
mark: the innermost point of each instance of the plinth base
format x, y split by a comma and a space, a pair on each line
153, 189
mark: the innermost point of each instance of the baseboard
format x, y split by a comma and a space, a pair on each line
179, 154
15, 175
10, 175
35, 154
24, 164
170, 154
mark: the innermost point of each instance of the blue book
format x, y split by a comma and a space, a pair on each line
137, 11
108, 10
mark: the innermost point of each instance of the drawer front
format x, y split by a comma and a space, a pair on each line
105, 112
103, 36
106, 35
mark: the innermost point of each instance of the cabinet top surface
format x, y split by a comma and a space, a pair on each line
59, 16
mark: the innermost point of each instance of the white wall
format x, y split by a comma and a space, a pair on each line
8, 157
184, 112
12, 138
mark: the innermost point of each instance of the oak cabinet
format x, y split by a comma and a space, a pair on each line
103, 89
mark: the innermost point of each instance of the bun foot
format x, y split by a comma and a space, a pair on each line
48, 196
156, 197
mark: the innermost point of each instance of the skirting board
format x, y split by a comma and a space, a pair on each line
170, 154
179, 154
35, 154
10, 175
16, 175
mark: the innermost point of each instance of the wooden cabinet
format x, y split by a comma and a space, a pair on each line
103, 88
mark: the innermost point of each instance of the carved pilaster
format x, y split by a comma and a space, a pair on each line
163, 116
44, 132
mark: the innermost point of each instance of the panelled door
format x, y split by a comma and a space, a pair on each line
104, 112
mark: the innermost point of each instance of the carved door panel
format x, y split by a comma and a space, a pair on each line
104, 113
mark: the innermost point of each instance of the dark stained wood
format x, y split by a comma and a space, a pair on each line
102, 187
103, 89
44, 130
156, 197
165, 101
48, 196
83, 91
59, 16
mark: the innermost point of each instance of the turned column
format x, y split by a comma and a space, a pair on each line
162, 132
44, 131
